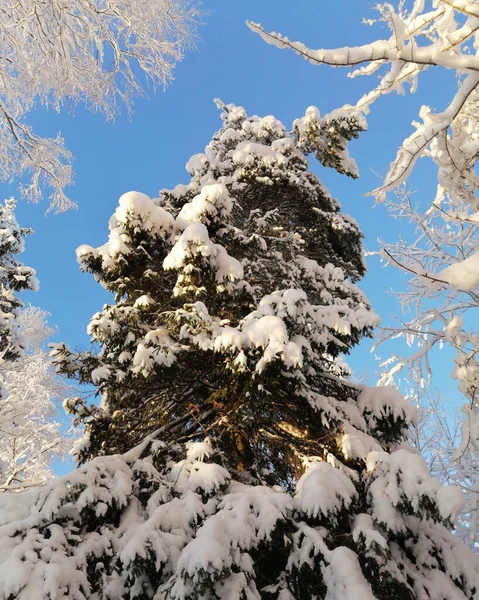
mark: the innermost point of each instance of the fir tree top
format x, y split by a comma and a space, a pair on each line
234, 295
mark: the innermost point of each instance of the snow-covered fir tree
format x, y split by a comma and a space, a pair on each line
14, 277
251, 468
33, 432
201, 279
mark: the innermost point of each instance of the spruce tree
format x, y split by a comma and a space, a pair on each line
14, 277
230, 457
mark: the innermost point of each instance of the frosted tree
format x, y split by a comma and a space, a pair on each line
437, 437
230, 458
443, 257
33, 433
14, 278
434, 315
92, 52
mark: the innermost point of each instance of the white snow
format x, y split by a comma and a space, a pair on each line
195, 241
99, 374
403, 476
136, 212
212, 203
267, 332
384, 401
364, 528
139, 209
323, 491
344, 578
463, 275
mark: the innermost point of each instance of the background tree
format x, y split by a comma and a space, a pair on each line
437, 437
441, 248
14, 278
260, 472
91, 52
33, 433
434, 315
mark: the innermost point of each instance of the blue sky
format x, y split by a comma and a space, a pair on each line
149, 152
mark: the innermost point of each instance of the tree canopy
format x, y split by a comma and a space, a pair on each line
95, 53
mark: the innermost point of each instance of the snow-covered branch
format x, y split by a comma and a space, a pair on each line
93, 52
444, 36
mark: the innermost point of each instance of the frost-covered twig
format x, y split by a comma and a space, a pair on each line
444, 36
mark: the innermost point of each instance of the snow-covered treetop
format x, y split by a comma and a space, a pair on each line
75, 51
250, 267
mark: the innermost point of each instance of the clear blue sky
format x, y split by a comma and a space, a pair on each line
149, 152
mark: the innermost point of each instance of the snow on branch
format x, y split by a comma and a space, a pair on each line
445, 36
